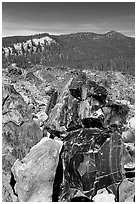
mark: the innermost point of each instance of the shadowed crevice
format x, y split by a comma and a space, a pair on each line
58, 180
12, 183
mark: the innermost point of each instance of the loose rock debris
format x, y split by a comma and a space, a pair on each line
91, 154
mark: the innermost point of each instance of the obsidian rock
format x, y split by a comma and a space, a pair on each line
91, 161
80, 199
76, 86
92, 122
130, 174
96, 91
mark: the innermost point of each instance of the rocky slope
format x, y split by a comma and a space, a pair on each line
70, 130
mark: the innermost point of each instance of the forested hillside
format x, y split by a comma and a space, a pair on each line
110, 51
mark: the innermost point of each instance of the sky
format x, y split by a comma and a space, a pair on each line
25, 18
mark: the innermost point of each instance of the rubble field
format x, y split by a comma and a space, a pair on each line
67, 135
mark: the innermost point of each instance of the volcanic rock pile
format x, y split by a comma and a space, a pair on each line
80, 147
91, 126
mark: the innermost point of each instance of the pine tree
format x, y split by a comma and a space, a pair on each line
33, 43
39, 48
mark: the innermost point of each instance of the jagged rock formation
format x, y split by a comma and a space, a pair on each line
94, 122
83, 102
91, 126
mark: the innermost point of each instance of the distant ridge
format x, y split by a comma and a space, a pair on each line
111, 50
114, 33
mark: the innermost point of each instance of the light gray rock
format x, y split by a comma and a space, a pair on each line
103, 196
128, 136
126, 191
131, 123
35, 173
40, 117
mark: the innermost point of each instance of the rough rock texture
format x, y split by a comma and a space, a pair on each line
127, 191
35, 173
63, 103
91, 125
17, 141
13, 105
24, 104
84, 101
7, 191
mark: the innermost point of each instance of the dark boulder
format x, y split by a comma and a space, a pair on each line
51, 102
96, 91
91, 158
76, 86
120, 109
81, 84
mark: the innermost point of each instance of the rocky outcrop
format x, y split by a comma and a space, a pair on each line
90, 125
82, 103
34, 174
14, 106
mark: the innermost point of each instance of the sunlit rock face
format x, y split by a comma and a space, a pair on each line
34, 174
